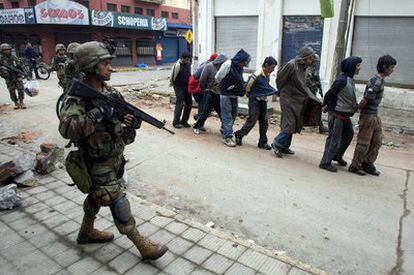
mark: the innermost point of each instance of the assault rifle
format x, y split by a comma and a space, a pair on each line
14, 70
121, 107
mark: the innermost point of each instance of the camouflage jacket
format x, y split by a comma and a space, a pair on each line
58, 63
101, 139
71, 72
313, 81
12, 61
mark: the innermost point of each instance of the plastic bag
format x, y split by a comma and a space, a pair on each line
31, 87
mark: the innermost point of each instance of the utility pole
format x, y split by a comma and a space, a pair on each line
345, 16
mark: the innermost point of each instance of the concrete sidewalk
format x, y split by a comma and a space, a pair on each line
40, 238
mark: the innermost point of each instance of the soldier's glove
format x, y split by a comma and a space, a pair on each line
107, 112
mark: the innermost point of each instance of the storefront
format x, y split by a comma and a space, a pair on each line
173, 42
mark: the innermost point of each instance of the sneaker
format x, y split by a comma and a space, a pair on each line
178, 126
203, 129
265, 146
328, 167
229, 142
277, 151
341, 161
196, 131
185, 124
370, 169
357, 170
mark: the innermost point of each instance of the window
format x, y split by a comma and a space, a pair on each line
1, 6
111, 7
146, 47
175, 15
125, 9
15, 5
165, 14
139, 10
150, 12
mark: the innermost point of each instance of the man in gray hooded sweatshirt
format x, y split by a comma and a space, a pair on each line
212, 92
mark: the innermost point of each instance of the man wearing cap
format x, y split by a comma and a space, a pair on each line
291, 83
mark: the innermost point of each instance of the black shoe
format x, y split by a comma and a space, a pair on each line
239, 141
323, 130
341, 161
195, 116
178, 126
370, 169
185, 124
265, 146
357, 171
287, 151
328, 167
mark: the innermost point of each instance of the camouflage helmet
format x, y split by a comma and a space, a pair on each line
89, 54
59, 47
72, 47
5, 46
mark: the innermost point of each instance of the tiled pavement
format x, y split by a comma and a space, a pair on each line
40, 238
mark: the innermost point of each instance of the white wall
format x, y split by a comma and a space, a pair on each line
235, 7
301, 7
384, 8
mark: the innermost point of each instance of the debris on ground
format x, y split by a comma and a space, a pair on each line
9, 198
49, 159
18, 170
24, 136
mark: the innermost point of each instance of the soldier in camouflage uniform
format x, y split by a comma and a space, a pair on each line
313, 82
58, 63
13, 81
101, 136
71, 70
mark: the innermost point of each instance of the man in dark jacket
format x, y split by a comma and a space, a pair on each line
230, 77
294, 94
369, 139
258, 89
212, 93
31, 56
179, 80
341, 104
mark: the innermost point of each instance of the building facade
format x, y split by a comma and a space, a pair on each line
138, 27
281, 27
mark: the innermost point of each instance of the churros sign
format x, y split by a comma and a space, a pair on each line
61, 12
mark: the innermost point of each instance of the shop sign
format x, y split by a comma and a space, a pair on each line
61, 12
127, 21
16, 16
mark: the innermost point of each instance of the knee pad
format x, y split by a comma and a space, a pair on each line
121, 210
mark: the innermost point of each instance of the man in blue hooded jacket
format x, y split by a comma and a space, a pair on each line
231, 84
341, 103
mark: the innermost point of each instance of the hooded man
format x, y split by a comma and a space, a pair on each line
199, 95
294, 95
212, 93
231, 85
341, 103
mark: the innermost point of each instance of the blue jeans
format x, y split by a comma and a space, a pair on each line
228, 106
283, 140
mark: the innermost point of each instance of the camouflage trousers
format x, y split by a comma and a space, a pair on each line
109, 196
108, 192
62, 82
369, 140
12, 86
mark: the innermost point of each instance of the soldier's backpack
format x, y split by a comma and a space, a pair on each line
78, 170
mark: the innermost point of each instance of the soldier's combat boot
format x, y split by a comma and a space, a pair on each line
149, 250
16, 105
22, 106
88, 234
